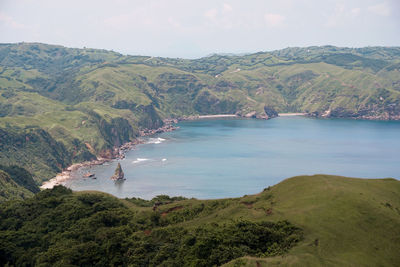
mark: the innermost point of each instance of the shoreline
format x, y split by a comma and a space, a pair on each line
65, 175
199, 117
291, 114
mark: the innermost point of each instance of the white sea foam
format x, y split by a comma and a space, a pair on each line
138, 160
157, 140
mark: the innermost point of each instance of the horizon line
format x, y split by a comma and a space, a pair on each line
228, 54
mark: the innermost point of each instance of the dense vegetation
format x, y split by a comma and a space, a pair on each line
58, 228
16, 183
76, 104
304, 221
21, 176
9, 189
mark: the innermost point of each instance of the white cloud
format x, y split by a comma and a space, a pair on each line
337, 17
173, 22
274, 19
342, 16
143, 17
355, 11
227, 8
149, 15
11, 22
211, 13
380, 9
222, 17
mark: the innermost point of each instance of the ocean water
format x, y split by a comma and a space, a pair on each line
233, 157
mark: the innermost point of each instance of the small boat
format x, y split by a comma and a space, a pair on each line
89, 175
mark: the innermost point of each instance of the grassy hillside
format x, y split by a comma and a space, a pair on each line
89, 101
315, 220
347, 222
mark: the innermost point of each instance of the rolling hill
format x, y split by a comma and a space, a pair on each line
78, 104
318, 220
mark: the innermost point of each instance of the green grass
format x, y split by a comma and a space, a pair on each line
340, 222
346, 221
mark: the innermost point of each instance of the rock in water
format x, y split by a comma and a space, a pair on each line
118, 174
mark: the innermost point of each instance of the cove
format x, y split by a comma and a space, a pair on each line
232, 157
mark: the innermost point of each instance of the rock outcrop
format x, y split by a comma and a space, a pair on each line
118, 174
270, 112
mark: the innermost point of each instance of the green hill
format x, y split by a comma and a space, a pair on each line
16, 183
82, 103
315, 220
10, 189
346, 222
21, 176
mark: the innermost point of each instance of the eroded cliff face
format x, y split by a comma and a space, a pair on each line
149, 117
39, 152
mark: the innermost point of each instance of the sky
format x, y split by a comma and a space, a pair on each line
192, 29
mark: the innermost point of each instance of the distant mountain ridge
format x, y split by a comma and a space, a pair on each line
86, 102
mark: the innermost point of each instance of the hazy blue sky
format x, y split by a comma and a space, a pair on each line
178, 28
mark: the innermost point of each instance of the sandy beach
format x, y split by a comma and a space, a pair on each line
291, 114
218, 116
62, 177
199, 117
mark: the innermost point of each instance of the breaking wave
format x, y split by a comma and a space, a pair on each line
157, 140
138, 160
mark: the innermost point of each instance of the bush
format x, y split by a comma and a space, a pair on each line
59, 228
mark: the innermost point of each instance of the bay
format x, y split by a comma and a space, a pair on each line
232, 157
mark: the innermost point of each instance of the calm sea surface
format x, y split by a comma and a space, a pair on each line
232, 157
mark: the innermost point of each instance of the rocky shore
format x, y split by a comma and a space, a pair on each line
62, 177
265, 114
291, 114
168, 127
341, 113
118, 153
250, 115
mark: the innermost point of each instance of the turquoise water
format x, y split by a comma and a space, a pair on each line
232, 157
